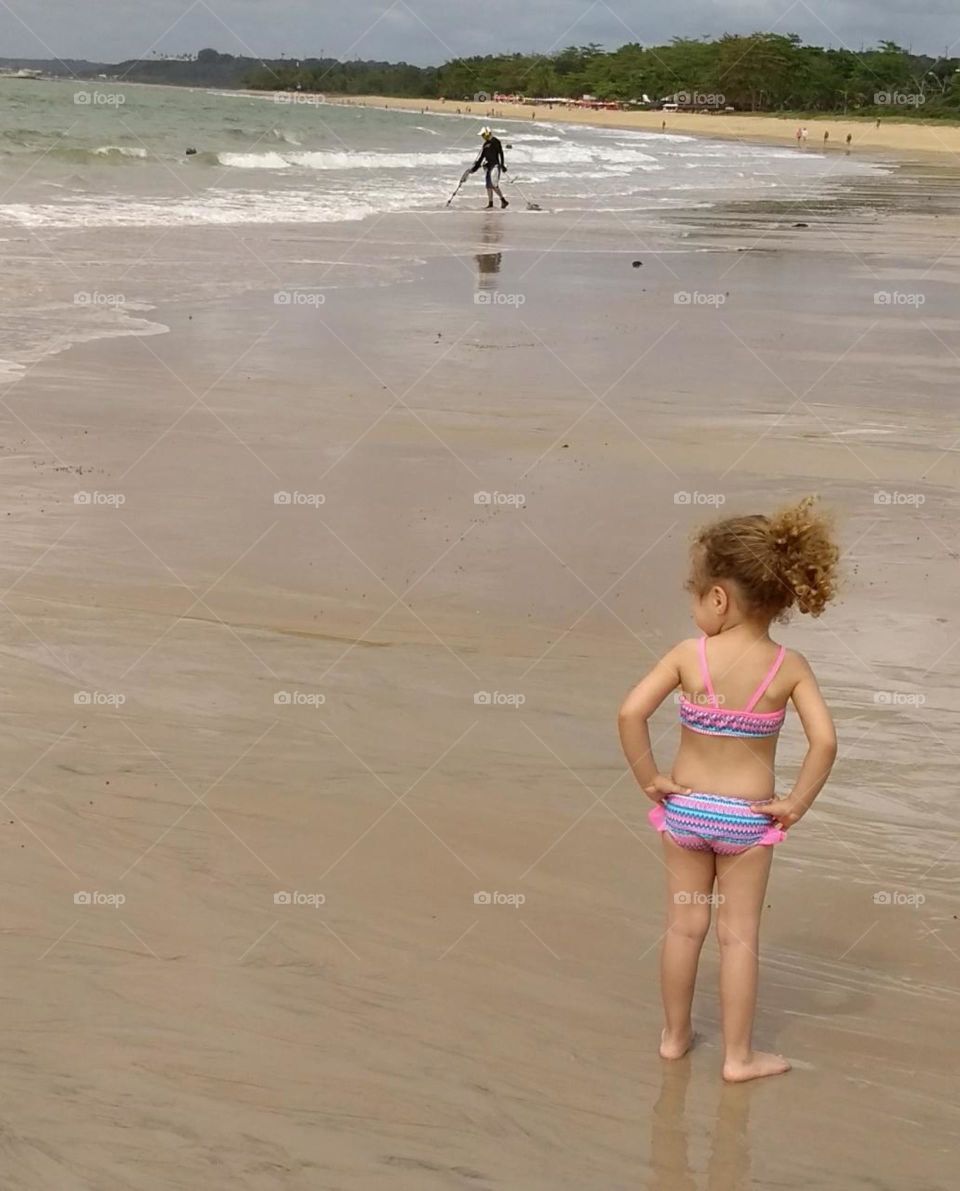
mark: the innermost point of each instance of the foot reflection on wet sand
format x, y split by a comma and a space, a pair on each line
728, 1164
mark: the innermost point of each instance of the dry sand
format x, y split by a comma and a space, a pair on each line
400, 1035
903, 137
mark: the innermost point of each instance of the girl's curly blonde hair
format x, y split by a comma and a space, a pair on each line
779, 562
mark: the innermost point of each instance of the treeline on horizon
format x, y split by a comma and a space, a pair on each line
761, 72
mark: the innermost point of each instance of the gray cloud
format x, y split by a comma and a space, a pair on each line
425, 31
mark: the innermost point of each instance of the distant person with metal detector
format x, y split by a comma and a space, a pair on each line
491, 158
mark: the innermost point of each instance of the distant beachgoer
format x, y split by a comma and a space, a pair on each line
803, 135
716, 807
826, 137
491, 158
799, 136
849, 137
663, 126
878, 123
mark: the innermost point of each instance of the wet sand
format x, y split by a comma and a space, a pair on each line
300, 738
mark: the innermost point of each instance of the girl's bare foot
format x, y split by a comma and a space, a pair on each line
759, 1064
675, 1045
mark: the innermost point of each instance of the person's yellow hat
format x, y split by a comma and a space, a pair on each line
486, 133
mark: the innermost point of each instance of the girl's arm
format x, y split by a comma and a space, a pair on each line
637, 708
821, 751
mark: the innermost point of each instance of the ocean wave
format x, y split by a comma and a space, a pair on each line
613, 171
286, 137
253, 161
215, 208
24, 136
122, 150
565, 153
112, 154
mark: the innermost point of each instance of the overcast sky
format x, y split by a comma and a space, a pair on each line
430, 31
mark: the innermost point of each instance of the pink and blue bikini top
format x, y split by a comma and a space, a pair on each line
714, 720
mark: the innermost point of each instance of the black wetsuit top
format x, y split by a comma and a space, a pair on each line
490, 155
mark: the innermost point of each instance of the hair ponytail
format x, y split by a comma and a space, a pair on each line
804, 555
779, 562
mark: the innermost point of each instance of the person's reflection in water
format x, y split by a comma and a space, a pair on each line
669, 1162
488, 263
728, 1167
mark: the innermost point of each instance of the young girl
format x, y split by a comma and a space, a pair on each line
716, 807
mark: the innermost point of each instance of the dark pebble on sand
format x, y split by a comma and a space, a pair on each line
801, 225
637, 264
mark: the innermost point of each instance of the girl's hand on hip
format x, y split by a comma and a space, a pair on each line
784, 810
661, 786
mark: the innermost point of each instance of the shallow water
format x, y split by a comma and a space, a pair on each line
98, 154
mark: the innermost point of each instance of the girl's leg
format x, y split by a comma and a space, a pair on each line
742, 883
690, 877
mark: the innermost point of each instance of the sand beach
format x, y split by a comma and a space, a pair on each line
322, 584
887, 135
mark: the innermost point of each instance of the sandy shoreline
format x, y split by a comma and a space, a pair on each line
903, 138
399, 1034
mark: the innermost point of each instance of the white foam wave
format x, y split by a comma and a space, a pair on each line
122, 150
254, 161
215, 208
565, 153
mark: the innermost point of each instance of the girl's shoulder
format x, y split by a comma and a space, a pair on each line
684, 650
795, 666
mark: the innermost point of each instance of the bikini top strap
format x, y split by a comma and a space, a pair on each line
771, 675
705, 672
